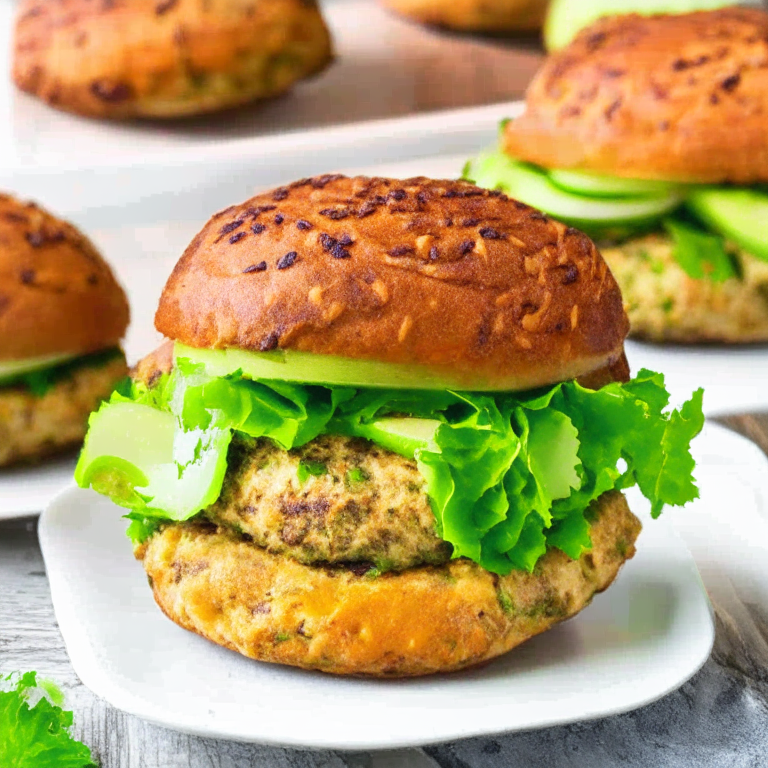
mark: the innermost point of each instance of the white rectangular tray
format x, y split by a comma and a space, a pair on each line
385, 67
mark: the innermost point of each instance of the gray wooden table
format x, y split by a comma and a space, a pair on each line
720, 718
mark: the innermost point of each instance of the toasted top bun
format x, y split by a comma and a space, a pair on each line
441, 274
165, 58
663, 97
57, 295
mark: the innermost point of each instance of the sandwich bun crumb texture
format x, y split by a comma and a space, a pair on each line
420, 621
434, 273
57, 295
165, 58
681, 97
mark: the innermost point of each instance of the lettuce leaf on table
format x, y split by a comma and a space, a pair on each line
37, 736
507, 474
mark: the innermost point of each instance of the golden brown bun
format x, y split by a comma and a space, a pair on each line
165, 58
421, 621
475, 15
664, 97
57, 295
480, 289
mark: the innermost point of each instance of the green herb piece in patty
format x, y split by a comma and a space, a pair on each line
310, 468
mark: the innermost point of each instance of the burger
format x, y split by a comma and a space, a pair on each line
390, 429
649, 134
62, 316
165, 59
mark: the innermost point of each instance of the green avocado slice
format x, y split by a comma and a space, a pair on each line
401, 435
139, 457
614, 218
310, 368
738, 213
595, 185
11, 369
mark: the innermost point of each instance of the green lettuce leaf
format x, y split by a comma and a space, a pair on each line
507, 474
701, 254
37, 736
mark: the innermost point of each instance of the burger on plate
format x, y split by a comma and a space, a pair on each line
649, 133
390, 431
62, 316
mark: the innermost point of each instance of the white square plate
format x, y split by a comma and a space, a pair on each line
385, 67
653, 627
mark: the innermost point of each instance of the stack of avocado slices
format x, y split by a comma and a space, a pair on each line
701, 219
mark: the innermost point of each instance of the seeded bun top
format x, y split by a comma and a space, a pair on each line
680, 97
57, 295
441, 274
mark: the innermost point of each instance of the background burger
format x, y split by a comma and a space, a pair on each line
390, 434
649, 134
62, 315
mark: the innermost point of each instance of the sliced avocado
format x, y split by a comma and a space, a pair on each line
309, 368
594, 185
566, 17
136, 455
738, 213
11, 369
598, 217
401, 435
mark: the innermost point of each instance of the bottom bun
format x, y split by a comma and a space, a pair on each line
35, 426
416, 622
664, 304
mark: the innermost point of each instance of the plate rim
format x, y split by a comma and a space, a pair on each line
35, 503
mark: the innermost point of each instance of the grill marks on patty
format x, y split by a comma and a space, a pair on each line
360, 504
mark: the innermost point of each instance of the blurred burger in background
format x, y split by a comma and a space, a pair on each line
165, 58
62, 316
649, 133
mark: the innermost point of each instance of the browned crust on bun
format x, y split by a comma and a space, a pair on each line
169, 58
474, 15
681, 97
417, 622
463, 281
57, 294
